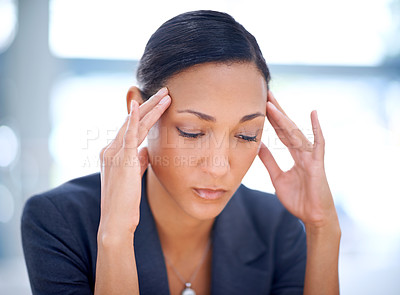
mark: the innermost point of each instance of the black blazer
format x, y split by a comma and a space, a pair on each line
258, 246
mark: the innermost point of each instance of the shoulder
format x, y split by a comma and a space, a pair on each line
74, 200
59, 235
78, 191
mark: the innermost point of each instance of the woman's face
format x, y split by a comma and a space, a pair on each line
203, 145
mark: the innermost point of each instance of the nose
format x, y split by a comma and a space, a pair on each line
215, 160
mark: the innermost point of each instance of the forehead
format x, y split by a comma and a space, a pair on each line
211, 88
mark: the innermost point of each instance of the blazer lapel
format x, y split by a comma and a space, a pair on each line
235, 245
151, 267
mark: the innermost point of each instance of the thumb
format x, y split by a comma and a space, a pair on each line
269, 162
144, 160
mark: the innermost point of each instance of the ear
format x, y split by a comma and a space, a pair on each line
133, 93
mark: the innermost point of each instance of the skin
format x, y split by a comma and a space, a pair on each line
220, 157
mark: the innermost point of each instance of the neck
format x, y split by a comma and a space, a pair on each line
179, 232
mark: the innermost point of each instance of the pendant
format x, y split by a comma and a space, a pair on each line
188, 290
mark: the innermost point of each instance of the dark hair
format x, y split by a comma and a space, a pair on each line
193, 38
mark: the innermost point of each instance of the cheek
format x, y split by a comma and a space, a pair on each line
242, 156
169, 156
248, 150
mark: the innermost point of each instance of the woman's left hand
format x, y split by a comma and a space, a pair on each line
303, 189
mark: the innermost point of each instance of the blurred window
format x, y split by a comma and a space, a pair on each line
336, 32
8, 23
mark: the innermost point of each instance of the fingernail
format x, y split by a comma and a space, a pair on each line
272, 105
164, 100
131, 107
162, 91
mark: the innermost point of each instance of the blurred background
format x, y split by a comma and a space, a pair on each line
65, 67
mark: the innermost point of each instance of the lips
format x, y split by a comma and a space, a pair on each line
209, 194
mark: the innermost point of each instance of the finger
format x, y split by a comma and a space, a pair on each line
103, 151
295, 138
152, 117
319, 140
144, 109
130, 139
103, 162
149, 104
102, 155
144, 160
273, 100
115, 145
269, 162
296, 130
278, 130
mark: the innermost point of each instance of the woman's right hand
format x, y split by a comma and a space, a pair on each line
122, 167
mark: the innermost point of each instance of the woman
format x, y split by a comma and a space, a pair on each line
173, 217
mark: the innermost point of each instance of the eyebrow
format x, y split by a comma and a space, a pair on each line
209, 118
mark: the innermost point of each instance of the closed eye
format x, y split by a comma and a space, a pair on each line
248, 138
189, 135
196, 135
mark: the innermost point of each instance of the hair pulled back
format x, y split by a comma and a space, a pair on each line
193, 38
